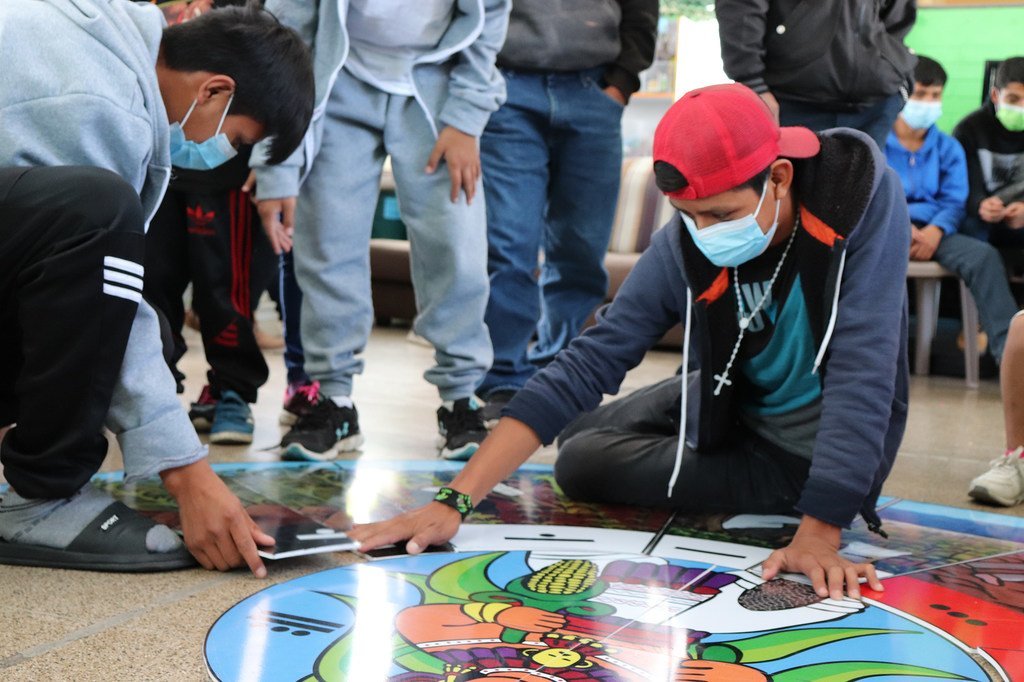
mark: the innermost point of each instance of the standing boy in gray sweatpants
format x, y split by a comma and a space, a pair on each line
416, 81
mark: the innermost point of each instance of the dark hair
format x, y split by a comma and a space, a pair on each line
1010, 71
668, 179
929, 72
271, 67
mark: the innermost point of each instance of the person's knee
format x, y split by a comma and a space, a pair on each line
578, 471
574, 469
104, 200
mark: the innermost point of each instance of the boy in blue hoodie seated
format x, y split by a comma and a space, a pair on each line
933, 169
81, 347
786, 264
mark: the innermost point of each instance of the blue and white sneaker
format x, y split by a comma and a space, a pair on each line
232, 420
462, 429
322, 432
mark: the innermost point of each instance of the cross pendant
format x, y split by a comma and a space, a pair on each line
723, 380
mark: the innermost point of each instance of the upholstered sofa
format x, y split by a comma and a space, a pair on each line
641, 210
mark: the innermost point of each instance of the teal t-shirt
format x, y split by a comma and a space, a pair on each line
781, 373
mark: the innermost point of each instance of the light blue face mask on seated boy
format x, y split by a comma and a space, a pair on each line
921, 115
734, 242
205, 155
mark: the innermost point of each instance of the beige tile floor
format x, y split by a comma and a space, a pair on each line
63, 625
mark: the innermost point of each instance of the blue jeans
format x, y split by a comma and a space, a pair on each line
551, 157
290, 302
981, 268
876, 120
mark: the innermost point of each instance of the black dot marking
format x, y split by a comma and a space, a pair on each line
300, 633
956, 614
547, 535
941, 607
279, 628
975, 621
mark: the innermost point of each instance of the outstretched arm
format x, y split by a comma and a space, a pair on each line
509, 445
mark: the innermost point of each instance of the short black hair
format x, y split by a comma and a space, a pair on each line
1010, 71
271, 67
668, 179
929, 72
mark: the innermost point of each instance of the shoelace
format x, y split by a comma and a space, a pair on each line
318, 417
1007, 461
311, 392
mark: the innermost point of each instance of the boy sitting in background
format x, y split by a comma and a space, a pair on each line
933, 170
993, 139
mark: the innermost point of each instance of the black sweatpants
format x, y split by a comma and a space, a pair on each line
214, 240
624, 452
71, 249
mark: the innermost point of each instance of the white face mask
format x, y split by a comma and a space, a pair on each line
734, 242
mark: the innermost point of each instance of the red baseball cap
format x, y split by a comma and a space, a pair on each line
720, 136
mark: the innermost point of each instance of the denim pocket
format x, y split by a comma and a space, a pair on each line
593, 84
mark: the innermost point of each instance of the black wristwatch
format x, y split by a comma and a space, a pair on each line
460, 502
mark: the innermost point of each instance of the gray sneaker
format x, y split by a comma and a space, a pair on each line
1003, 483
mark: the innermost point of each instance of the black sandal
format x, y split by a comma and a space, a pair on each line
113, 541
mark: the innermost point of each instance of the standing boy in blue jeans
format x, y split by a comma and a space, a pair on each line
933, 170
569, 73
416, 81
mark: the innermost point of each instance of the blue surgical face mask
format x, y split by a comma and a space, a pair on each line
734, 242
921, 115
201, 155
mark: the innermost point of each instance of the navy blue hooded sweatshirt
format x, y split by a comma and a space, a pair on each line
851, 252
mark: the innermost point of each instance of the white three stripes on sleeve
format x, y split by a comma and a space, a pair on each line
122, 278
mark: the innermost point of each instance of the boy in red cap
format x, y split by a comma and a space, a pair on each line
786, 264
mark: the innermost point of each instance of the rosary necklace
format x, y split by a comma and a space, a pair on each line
744, 321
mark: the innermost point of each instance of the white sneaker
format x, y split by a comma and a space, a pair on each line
1003, 483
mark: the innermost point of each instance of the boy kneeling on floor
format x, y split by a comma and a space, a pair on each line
79, 347
787, 266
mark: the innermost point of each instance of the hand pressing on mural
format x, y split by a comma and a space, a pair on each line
814, 552
510, 444
749, 605
432, 524
217, 529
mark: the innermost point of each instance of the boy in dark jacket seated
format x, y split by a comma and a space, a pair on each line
993, 139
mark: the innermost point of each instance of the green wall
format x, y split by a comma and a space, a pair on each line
961, 39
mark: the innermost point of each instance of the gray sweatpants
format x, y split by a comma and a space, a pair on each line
334, 219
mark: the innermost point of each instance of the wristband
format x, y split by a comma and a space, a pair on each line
460, 502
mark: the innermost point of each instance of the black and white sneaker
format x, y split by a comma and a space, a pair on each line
462, 429
322, 433
494, 404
